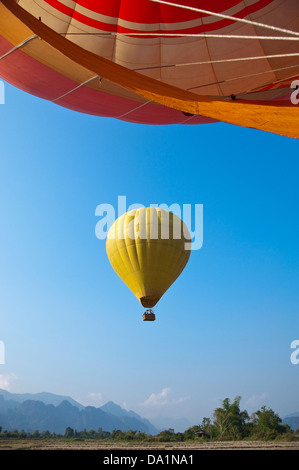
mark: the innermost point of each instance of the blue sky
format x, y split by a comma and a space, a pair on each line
69, 324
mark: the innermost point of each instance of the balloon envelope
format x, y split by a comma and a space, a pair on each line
157, 47
148, 248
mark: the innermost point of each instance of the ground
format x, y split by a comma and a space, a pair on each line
35, 444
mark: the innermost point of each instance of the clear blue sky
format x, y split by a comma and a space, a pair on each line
69, 324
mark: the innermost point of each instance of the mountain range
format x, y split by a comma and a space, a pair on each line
54, 413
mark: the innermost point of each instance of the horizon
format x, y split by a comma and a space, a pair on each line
69, 324
159, 422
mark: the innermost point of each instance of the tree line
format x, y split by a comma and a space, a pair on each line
228, 422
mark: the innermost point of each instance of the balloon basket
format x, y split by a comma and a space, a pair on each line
148, 316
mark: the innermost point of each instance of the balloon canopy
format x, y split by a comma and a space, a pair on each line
156, 61
148, 248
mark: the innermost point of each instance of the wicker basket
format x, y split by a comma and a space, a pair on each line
148, 317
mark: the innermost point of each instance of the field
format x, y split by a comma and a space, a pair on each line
36, 444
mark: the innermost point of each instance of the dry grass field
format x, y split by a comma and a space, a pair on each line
35, 444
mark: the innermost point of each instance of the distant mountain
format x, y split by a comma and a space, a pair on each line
293, 415
45, 397
292, 420
31, 415
178, 424
116, 410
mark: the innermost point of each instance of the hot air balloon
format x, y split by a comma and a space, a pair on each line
148, 248
157, 61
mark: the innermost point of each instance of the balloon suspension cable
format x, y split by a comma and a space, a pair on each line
245, 76
19, 46
134, 109
219, 61
165, 34
77, 87
228, 17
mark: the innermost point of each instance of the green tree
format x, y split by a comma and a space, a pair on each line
129, 435
102, 434
208, 427
69, 433
191, 433
168, 435
267, 419
117, 434
229, 420
267, 423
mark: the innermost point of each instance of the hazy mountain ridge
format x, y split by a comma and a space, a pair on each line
117, 410
46, 397
178, 424
17, 412
292, 420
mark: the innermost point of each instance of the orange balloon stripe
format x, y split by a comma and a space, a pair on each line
279, 117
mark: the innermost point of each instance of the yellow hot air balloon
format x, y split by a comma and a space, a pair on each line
148, 249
